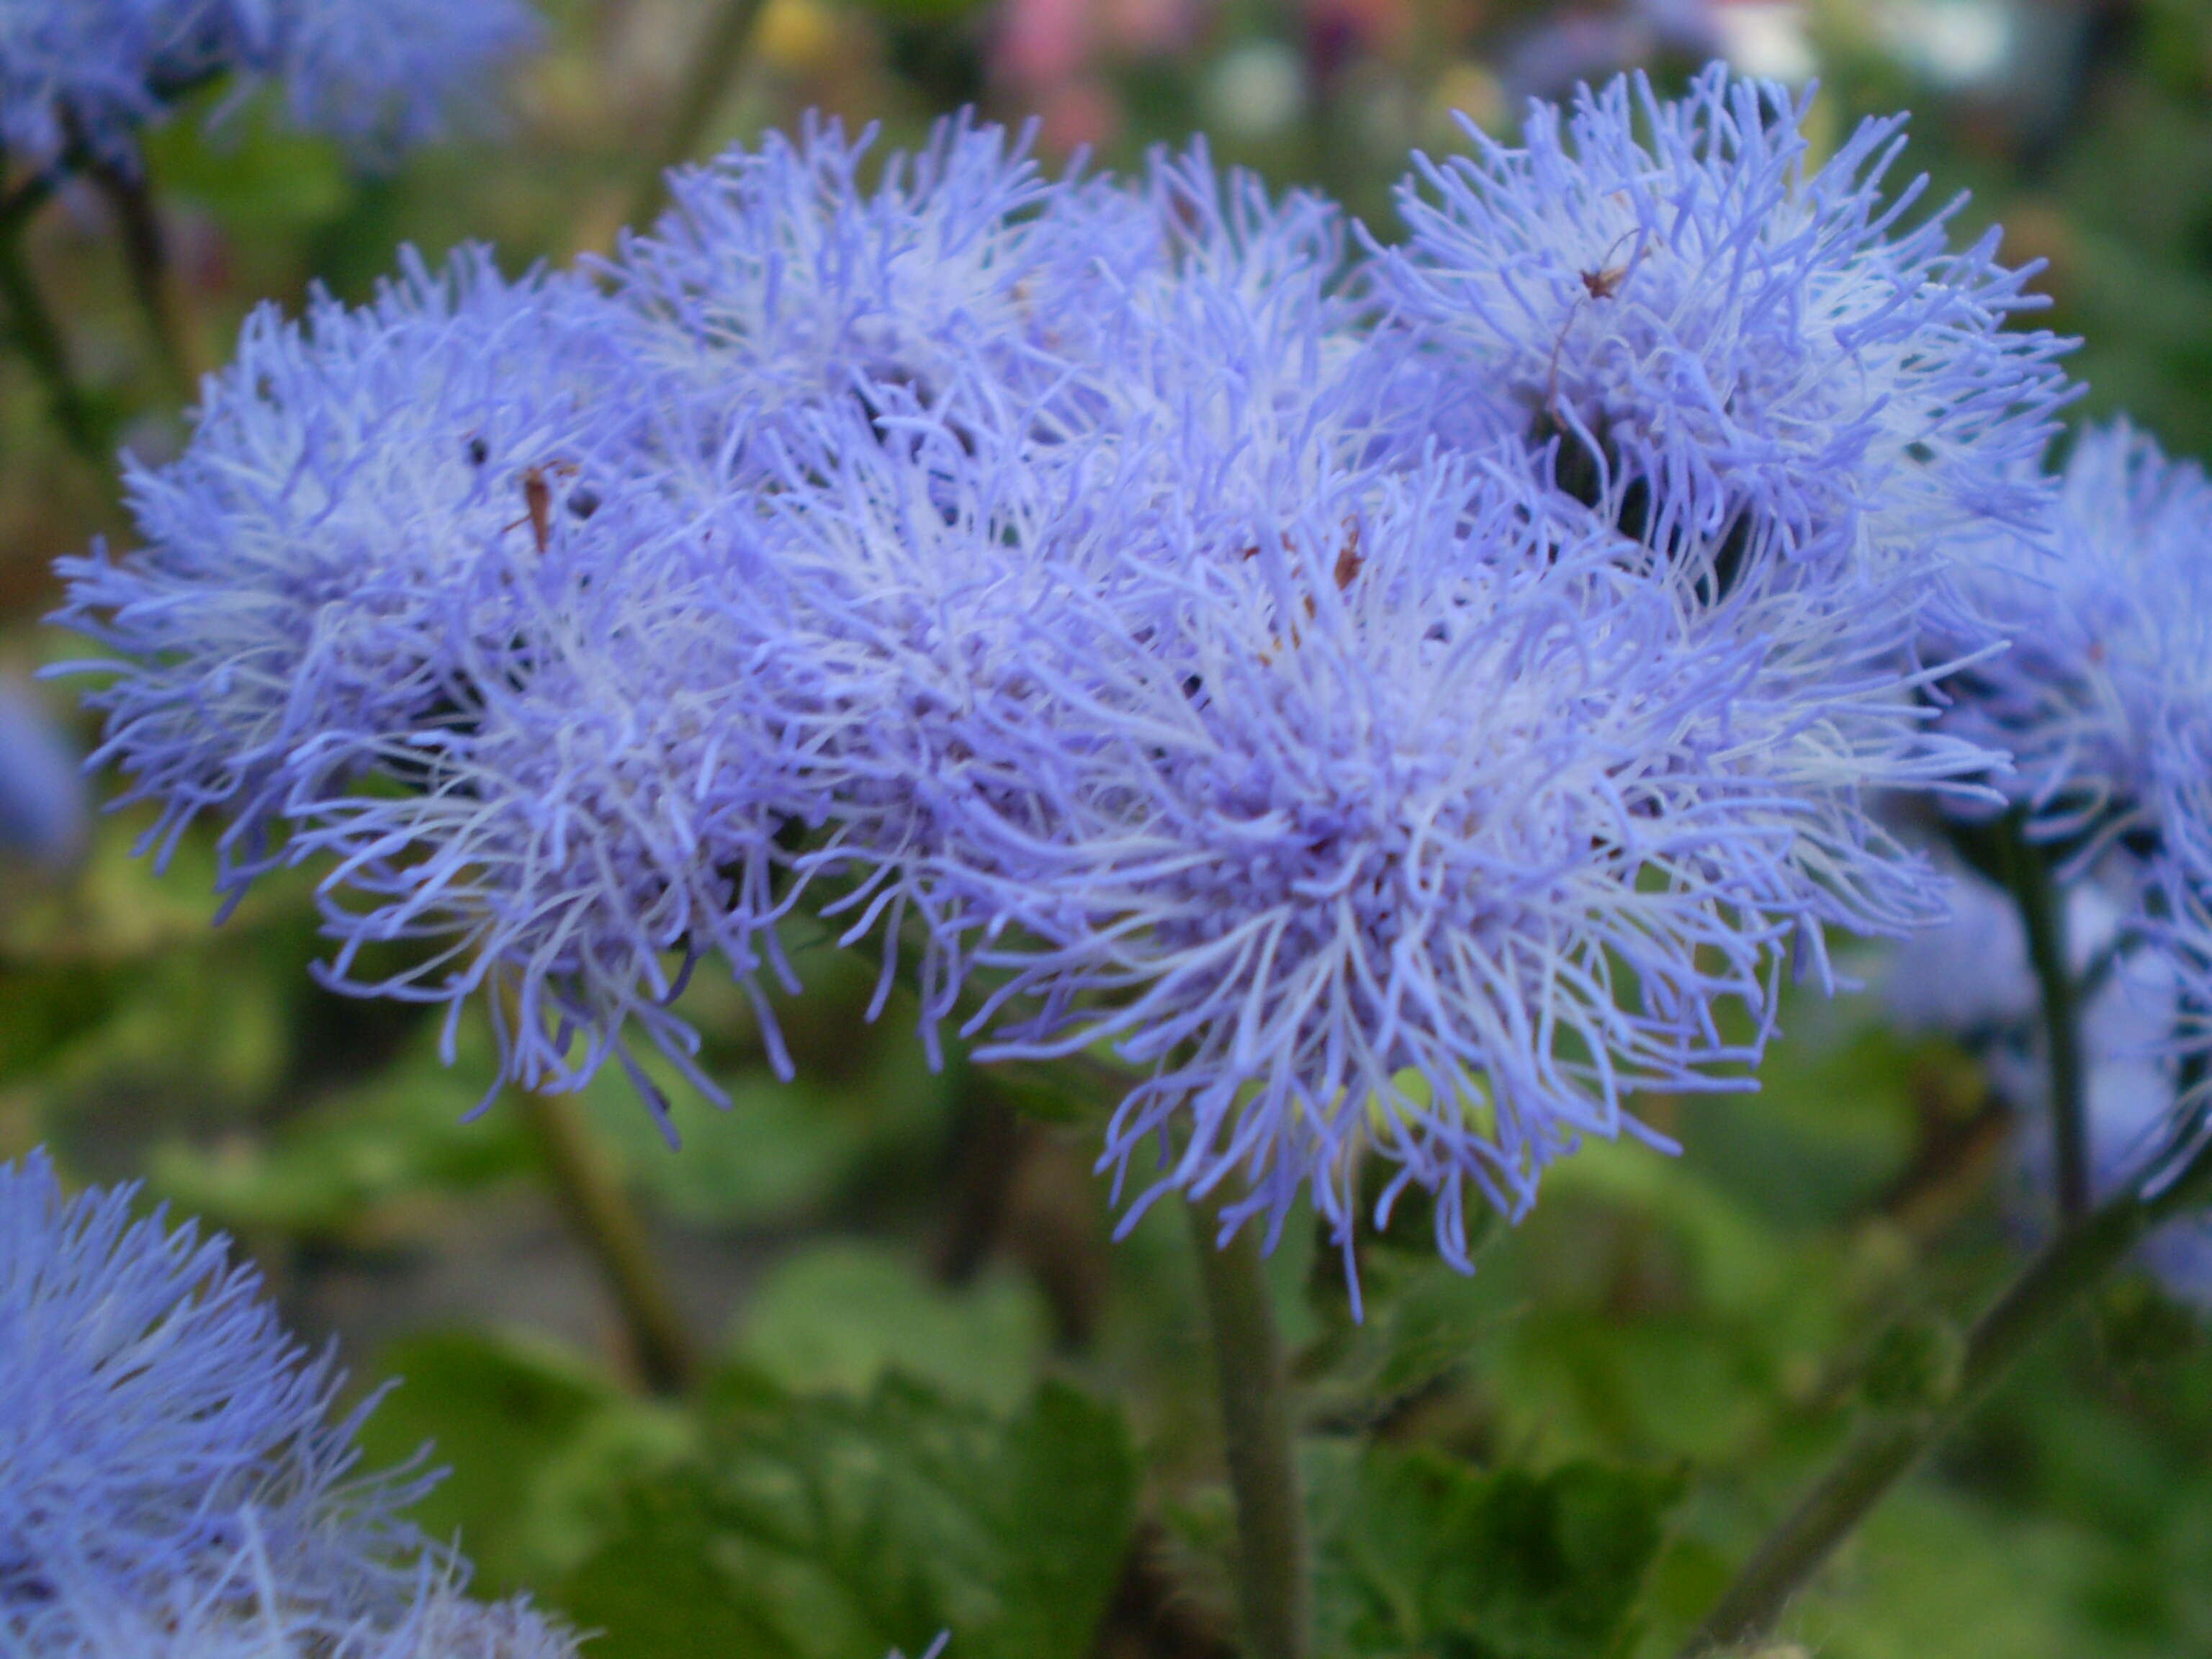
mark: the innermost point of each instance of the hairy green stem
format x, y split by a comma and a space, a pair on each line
715, 62
2043, 915
1274, 1593
2081, 1258
590, 1193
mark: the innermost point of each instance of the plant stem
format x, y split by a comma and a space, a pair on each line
153, 279
714, 65
2079, 1259
40, 337
599, 1209
2043, 915
1271, 1581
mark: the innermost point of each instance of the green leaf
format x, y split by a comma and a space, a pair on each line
263, 179
324, 1171
1421, 1325
1422, 1554
781, 1152
826, 1528
840, 1316
517, 1425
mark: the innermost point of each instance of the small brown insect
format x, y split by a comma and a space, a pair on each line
537, 499
1603, 284
1348, 559
1601, 281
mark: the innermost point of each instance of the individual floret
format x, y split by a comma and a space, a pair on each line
383, 75
1245, 358
83, 74
1376, 853
173, 1482
612, 812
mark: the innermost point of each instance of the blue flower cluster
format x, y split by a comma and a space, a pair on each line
79, 76
173, 1484
1970, 979
2104, 699
1401, 700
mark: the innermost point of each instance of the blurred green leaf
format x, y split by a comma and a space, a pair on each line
1421, 1554
822, 1529
263, 179
1422, 1324
537, 1446
781, 1152
841, 1315
406, 1132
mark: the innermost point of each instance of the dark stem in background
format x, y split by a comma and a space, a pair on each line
1274, 1593
153, 279
1885, 1451
590, 1193
714, 65
39, 337
2043, 915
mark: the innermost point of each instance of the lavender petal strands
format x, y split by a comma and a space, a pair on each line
157, 1424
2103, 694
353, 511
1385, 859
778, 282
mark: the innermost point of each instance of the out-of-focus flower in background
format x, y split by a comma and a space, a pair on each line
42, 789
78, 76
1970, 979
174, 1479
1593, 44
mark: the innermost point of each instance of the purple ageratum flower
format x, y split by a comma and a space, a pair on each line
158, 1428
2104, 694
378, 75
42, 793
357, 514
382, 76
1725, 327
924, 606
1970, 979
607, 814
777, 281
90, 71
1246, 355
1399, 845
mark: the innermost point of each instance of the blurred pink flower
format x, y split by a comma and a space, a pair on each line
1043, 43
1079, 114
1149, 28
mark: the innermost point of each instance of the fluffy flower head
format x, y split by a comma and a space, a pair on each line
157, 1427
2105, 695
780, 280
355, 518
1709, 315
